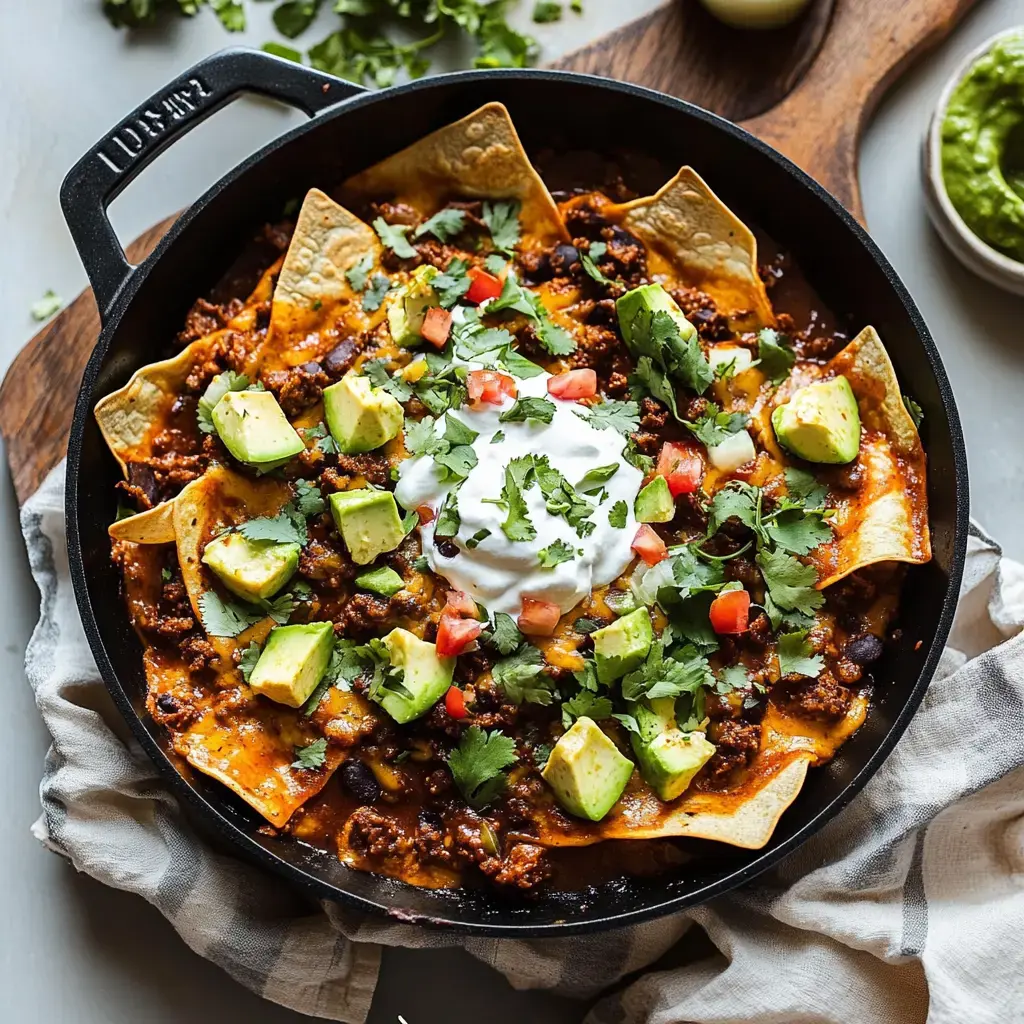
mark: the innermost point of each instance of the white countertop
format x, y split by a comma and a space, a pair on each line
74, 952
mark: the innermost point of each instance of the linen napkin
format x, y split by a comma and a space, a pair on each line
908, 907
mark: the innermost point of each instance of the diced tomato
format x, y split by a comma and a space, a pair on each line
649, 546
490, 386
436, 324
454, 634
483, 286
426, 514
539, 618
461, 604
730, 612
573, 384
455, 703
682, 467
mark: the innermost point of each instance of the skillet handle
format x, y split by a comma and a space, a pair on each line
127, 149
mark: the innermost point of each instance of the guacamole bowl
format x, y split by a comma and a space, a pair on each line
968, 247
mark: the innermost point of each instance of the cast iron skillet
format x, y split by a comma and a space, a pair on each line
142, 307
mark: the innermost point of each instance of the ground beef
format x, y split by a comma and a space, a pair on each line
172, 708
585, 220
700, 309
322, 559
375, 834
822, 698
821, 347
205, 318
197, 651
653, 415
364, 614
372, 465
396, 213
524, 867
299, 388
437, 254
736, 745
626, 258
760, 631
404, 555
138, 497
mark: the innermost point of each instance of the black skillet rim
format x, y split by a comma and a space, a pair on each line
317, 887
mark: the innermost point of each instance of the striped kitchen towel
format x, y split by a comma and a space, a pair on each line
908, 907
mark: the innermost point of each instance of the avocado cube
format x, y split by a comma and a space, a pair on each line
255, 429
655, 504
368, 522
669, 762
384, 581
253, 570
586, 771
425, 676
409, 304
361, 417
293, 661
821, 422
622, 646
736, 357
654, 299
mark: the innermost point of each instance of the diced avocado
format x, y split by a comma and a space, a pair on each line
654, 299
368, 521
821, 422
425, 676
293, 661
359, 416
255, 429
668, 758
409, 305
655, 504
621, 646
383, 581
586, 771
252, 570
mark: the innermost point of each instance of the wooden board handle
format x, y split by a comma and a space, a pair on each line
819, 124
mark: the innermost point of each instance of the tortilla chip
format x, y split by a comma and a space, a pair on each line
327, 243
705, 243
744, 817
154, 526
479, 157
886, 518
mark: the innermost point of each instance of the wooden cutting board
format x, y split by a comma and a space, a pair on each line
806, 89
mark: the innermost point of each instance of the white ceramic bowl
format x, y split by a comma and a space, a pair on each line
972, 252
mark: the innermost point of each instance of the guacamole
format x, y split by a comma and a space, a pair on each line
983, 147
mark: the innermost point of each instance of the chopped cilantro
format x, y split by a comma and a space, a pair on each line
393, 237
498, 437
545, 11
248, 660
589, 262
540, 409
618, 514
592, 482
477, 539
561, 498
521, 675
586, 704
665, 358
611, 414
311, 756
284, 528
359, 273
421, 563
715, 426
540, 754
504, 634
556, 553
443, 225
686, 671
280, 50
495, 264
775, 355
448, 518
166, 575
790, 583
519, 475
477, 764
502, 220
452, 284
914, 411
732, 677
374, 295
797, 657
308, 499
215, 391
225, 618
804, 487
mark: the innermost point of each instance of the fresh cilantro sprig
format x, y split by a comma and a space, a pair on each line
586, 704
775, 355
797, 657
215, 391
614, 415
311, 756
393, 237
685, 671
502, 220
714, 426
477, 765
521, 675
445, 224
503, 634
555, 554
589, 262
540, 409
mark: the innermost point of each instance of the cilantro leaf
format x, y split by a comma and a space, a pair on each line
311, 756
380, 285
518, 477
396, 386
589, 262
308, 499
660, 676
611, 414
595, 478
618, 514
540, 409
556, 553
497, 437
225, 618
456, 432
790, 583
496, 264
448, 518
456, 463
775, 355
665, 355
279, 529
629, 723
392, 236
452, 284
293, 18
249, 658
798, 531
540, 754
732, 677
715, 426
521, 675
502, 220
504, 635
215, 391
804, 487
586, 704
443, 225
797, 657
421, 438
737, 500
359, 273
561, 498
915, 411
478, 762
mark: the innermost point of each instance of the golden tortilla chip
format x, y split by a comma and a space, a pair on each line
479, 157
154, 526
312, 290
705, 243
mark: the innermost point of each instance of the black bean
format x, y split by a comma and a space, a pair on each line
562, 258
360, 781
864, 649
311, 367
340, 359
167, 704
431, 820
447, 547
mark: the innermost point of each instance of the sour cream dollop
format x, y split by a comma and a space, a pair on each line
498, 572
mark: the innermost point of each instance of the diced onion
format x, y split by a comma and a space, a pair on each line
646, 581
733, 453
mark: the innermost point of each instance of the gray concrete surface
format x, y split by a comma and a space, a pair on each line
72, 951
